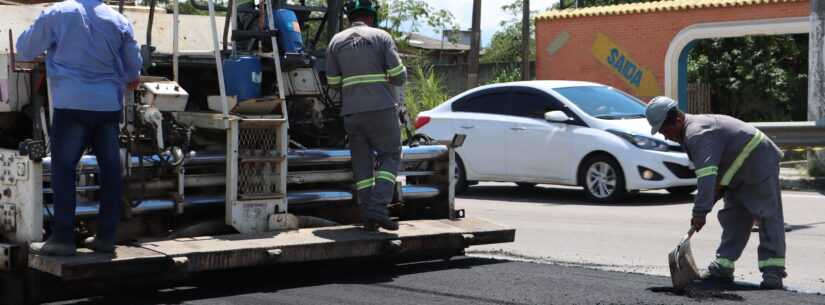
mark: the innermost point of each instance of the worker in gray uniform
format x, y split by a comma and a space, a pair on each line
363, 62
736, 161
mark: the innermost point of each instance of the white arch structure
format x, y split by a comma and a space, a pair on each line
781, 26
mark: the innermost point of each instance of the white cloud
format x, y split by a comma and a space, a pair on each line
491, 14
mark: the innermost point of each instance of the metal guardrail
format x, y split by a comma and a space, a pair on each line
794, 134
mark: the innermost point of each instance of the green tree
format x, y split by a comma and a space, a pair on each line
505, 45
187, 7
754, 78
508, 72
400, 16
395, 16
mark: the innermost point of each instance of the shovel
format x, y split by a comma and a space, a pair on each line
683, 269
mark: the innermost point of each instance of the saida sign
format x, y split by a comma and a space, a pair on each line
641, 80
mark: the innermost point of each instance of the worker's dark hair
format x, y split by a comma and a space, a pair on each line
672, 114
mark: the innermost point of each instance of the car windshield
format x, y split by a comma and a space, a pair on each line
604, 102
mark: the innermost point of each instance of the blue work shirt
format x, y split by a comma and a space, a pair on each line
91, 54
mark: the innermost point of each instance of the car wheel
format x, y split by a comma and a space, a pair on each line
681, 190
461, 183
525, 185
602, 179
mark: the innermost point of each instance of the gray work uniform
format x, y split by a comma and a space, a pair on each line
364, 63
734, 155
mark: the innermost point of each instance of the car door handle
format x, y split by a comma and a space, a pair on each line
518, 128
467, 126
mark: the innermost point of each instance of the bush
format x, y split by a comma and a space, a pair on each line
506, 75
816, 168
424, 91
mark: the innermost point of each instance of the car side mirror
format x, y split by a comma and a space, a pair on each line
556, 116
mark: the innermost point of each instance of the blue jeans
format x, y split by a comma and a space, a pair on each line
72, 131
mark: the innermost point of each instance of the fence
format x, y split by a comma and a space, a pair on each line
699, 98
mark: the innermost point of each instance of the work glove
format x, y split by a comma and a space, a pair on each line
697, 222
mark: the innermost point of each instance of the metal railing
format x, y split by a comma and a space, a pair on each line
794, 134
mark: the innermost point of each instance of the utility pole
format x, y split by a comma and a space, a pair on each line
816, 78
475, 46
333, 17
525, 41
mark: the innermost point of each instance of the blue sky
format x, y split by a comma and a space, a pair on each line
491, 14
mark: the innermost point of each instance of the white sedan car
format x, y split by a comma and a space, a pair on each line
559, 132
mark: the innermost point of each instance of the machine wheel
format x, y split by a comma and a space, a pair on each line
602, 179
461, 183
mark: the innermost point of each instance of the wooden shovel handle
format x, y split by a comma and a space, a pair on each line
688, 235
690, 232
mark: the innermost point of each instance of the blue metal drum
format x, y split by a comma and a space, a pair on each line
242, 76
289, 34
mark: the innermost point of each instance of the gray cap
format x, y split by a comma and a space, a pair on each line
657, 110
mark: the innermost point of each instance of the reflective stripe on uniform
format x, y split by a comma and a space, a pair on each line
366, 183
724, 262
396, 71
364, 79
707, 171
772, 262
743, 155
385, 175
334, 80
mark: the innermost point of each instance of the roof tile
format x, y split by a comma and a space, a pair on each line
666, 5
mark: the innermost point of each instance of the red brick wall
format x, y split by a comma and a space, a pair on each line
645, 37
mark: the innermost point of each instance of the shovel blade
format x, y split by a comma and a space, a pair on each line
683, 269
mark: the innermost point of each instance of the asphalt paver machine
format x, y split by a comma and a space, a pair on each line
216, 177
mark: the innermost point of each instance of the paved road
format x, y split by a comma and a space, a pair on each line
461, 281
556, 224
562, 250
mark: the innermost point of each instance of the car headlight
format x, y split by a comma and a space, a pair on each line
641, 141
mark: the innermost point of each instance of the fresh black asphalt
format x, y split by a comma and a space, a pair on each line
463, 280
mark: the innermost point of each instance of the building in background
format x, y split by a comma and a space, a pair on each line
436, 51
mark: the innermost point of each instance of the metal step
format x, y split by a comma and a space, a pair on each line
303, 198
415, 238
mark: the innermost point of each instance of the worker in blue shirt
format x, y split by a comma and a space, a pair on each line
92, 58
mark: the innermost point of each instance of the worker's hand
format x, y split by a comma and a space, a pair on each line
697, 222
133, 85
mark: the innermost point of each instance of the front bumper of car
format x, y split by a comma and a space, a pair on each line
669, 169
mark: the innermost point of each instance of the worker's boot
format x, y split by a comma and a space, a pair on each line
366, 220
373, 222
378, 216
99, 245
370, 226
718, 274
386, 223
53, 247
772, 278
